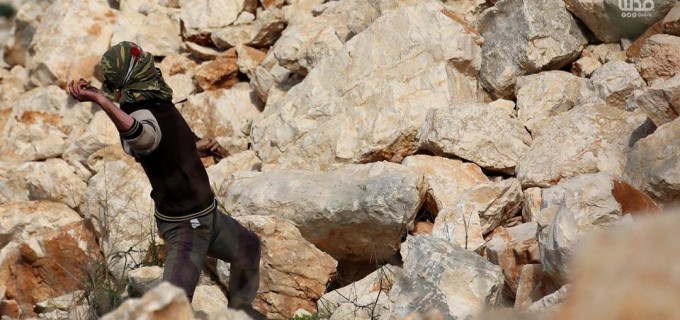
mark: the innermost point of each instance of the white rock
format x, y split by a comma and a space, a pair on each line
27, 19
10, 88
660, 101
531, 204
202, 17
653, 164
581, 141
293, 273
117, 199
208, 299
143, 279
356, 213
55, 180
91, 24
551, 302
659, 58
262, 32
585, 66
182, 86
446, 179
378, 282
21, 221
544, 95
222, 173
156, 32
615, 82
100, 133
477, 212
163, 302
375, 116
584, 204
537, 35
231, 114
605, 17
478, 133
440, 277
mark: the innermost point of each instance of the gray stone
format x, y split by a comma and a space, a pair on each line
293, 273
358, 212
615, 82
440, 277
536, 35
653, 164
581, 141
478, 133
544, 95
376, 116
660, 101
583, 205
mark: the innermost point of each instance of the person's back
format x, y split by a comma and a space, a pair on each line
181, 189
154, 132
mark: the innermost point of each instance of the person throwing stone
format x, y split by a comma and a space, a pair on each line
154, 132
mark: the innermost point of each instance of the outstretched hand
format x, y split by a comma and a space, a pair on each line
209, 147
83, 91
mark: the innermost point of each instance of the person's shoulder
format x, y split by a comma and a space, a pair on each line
151, 105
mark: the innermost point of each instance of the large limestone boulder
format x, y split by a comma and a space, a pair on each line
613, 83
47, 251
200, 18
99, 134
524, 37
37, 125
117, 199
611, 20
222, 173
653, 163
582, 205
477, 212
54, 180
580, 141
26, 20
155, 32
544, 95
659, 58
478, 133
642, 252
660, 101
58, 55
163, 302
356, 213
426, 60
10, 88
293, 273
442, 278
225, 115
445, 178
260, 33
208, 299
377, 284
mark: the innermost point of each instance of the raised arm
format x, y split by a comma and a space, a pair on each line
83, 92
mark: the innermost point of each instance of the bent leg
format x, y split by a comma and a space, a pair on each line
241, 247
186, 248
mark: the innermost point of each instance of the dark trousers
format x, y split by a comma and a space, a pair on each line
217, 235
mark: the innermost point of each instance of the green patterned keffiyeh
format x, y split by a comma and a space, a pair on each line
131, 76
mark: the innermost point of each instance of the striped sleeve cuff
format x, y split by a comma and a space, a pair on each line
134, 131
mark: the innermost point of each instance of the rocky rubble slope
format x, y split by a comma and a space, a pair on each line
439, 159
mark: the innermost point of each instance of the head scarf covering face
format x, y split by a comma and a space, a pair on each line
131, 76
